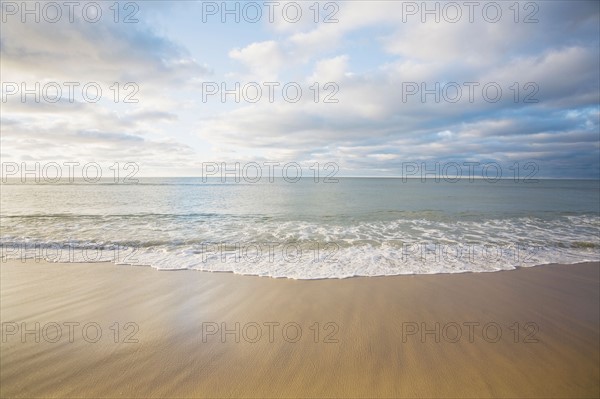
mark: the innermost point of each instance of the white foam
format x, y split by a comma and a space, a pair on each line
309, 250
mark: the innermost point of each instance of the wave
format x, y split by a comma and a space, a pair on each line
306, 249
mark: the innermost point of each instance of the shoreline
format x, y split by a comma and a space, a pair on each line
231, 272
221, 334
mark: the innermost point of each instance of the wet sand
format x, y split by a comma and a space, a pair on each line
162, 333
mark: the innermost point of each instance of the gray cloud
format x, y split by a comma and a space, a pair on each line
371, 129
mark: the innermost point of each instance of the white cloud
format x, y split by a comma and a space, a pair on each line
330, 70
263, 59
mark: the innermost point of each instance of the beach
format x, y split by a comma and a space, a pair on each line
353, 199
130, 331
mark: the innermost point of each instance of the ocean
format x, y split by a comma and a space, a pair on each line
305, 230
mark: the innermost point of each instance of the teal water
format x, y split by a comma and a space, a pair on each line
355, 227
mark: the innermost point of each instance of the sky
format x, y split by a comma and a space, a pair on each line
370, 86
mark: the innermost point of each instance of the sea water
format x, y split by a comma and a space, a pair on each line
305, 229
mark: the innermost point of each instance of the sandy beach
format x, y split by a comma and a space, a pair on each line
125, 331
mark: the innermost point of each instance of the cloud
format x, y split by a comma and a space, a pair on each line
263, 59
102, 53
330, 70
370, 55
